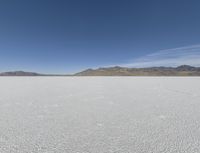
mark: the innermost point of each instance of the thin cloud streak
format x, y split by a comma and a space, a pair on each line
189, 55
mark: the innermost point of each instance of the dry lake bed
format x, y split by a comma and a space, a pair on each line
99, 114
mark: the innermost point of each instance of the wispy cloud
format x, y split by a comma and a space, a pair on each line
189, 55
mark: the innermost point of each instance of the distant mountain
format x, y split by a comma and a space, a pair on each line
187, 68
183, 70
20, 73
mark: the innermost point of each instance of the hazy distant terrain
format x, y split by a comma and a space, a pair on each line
25, 73
19, 73
99, 114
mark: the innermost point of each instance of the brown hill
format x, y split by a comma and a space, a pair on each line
183, 70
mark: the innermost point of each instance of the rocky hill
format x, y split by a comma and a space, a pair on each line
183, 70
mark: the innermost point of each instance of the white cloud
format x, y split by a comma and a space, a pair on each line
189, 55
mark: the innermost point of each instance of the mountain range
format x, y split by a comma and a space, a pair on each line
19, 73
183, 70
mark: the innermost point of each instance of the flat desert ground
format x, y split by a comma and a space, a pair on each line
99, 114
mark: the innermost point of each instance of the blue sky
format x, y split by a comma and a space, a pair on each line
170, 57
65, 36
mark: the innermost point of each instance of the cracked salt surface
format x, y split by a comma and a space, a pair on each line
99, 114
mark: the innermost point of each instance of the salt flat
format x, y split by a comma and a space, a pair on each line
100, 114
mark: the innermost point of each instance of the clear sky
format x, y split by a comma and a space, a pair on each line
63, 36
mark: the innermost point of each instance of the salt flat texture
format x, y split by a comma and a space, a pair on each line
99, 115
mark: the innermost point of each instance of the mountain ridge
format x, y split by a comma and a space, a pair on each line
26, 73
20, 73
182, 70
